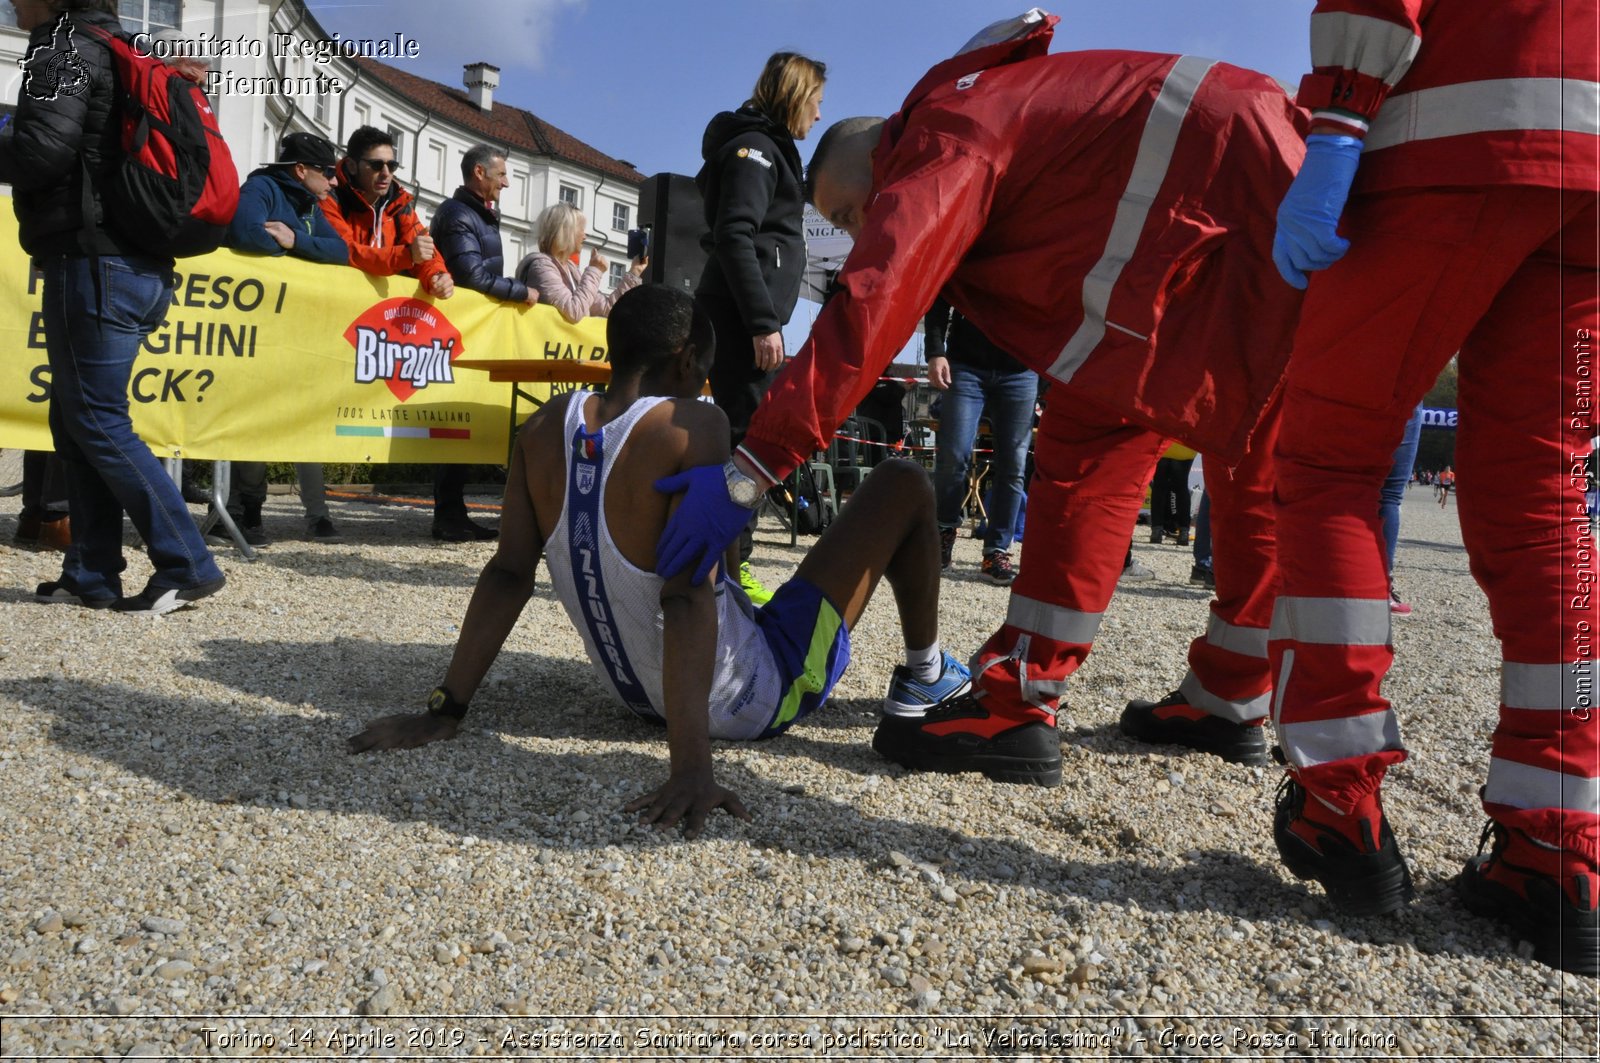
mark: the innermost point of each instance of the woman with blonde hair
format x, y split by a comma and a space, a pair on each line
753, 186
553, 273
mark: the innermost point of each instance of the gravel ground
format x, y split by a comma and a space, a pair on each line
183, 837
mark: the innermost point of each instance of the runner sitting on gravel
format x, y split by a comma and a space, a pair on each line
700, 658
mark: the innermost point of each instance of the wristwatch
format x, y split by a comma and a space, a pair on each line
743, 490
442, 703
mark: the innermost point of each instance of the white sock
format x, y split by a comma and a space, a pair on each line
927, 665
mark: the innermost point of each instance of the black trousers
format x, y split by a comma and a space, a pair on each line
449, 491
737, 386
44, 485
1169, 494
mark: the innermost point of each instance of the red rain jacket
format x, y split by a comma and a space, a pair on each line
1464, 93
1107, 217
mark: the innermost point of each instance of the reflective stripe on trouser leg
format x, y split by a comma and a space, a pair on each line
1347, 636
1521, 504
1424, 272
1089, 473
1238, 686
1229, 674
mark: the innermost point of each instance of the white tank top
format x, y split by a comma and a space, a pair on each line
616, 606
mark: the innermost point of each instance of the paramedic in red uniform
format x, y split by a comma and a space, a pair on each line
1464, 135
1098, 214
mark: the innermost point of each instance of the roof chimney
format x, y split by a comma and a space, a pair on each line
481, 81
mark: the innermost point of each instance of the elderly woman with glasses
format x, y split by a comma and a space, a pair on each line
553, 270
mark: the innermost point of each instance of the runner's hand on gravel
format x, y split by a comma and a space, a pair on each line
689, 798
404, 731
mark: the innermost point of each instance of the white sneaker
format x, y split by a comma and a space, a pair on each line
1137, 572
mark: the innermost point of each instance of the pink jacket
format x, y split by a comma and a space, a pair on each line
574, 292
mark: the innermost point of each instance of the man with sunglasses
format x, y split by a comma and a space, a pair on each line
281, 213
378, 218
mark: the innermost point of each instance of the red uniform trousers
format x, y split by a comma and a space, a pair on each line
1090, 472
1506, 276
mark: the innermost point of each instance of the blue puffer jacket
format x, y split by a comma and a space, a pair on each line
467, 234
272, 194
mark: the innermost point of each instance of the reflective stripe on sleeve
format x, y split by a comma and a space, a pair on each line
1363, 44
1552, 687
1245, 641
1150, 167
1525, 786
1313, 742
1247, 711
1487, 107
1052, 621
1332, 621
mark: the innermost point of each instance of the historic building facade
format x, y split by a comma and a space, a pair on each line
280, 72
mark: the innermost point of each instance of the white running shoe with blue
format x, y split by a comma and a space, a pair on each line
909, 697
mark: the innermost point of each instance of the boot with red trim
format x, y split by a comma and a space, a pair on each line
1352, 854
971, 733
1545, 894
1004, 727
1173, 721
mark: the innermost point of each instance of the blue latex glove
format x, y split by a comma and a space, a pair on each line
1308, 219
703, 526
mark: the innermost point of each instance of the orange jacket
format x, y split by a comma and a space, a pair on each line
380, 235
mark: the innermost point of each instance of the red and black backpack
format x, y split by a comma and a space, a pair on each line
175, 189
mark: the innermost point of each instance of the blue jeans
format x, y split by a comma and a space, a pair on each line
1202, 531
1009, 399
91, 339
1394, 486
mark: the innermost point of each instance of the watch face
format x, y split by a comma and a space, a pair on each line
745, 492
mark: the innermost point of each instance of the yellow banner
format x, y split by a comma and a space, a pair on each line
266, 358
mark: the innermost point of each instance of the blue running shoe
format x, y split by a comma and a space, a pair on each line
910, 697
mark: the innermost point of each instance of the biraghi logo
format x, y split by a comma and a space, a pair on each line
406, 343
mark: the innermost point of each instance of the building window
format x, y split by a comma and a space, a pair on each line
619, 217
516, 197
572, 195
363, 114
438, 152
319, 110
148, 15
615, 276
399, 143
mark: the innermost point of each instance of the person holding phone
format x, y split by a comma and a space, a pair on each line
753, 188
553, 270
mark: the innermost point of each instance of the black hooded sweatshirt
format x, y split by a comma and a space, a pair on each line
752, 184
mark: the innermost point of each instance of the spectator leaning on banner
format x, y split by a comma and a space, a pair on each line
280, 212
378, 218
466, 228
278, 204
101, 297
553, 271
